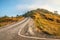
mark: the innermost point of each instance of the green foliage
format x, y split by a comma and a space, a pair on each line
27, 14
30, 13
5, 16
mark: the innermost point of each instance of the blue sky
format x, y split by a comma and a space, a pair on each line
14, 7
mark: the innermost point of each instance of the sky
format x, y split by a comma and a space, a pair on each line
14, 7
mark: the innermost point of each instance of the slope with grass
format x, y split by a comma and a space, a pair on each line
8, 20
45, 21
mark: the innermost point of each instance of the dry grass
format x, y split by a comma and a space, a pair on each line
7, 21
48, 23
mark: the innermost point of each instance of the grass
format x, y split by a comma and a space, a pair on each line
48, 26
7, 21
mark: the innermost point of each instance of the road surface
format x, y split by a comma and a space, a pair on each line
16, 31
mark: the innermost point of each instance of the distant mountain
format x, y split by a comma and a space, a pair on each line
46, 21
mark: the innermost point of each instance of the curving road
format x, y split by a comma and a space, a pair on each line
29, 32
11, 32
20, 31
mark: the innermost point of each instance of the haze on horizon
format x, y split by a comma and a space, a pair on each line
14, 7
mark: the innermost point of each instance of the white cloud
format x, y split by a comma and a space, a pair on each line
56, 2
36, 5
48, 7
30, 7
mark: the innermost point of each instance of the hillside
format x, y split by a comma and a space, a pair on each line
45, 21
5, 20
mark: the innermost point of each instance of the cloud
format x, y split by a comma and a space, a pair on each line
47, 7
50, 5
30, 7
33, 7
56, 2
40, 4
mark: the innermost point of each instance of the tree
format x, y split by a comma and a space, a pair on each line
56, 12
17, 15
5, 16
